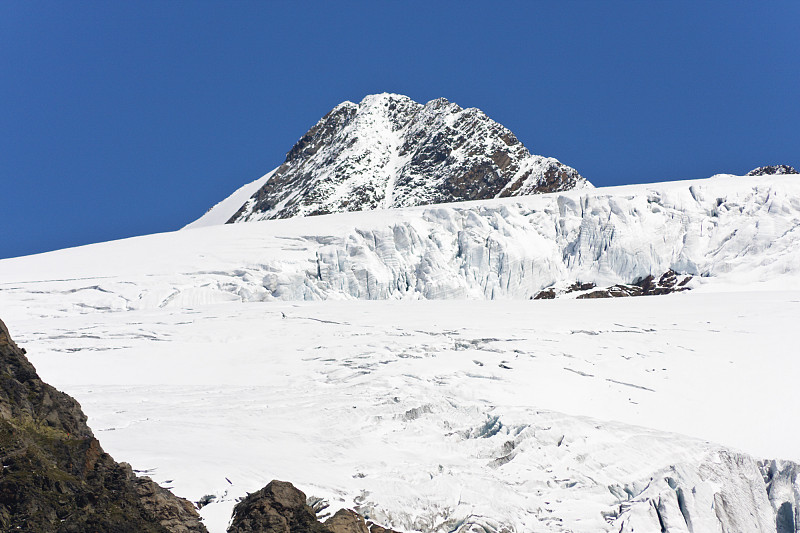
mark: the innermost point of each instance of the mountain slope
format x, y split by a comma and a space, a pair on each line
389, 151
772, 170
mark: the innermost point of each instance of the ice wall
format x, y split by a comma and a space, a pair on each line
729, 232
715, 228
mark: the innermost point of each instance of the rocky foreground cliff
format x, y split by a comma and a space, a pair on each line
56, 476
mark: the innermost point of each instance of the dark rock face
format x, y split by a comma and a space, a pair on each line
281, 508
771, 170
389, 151
56, 476
277, 508
667, 283
547, 294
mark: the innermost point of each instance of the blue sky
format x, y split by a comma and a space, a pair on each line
127, 118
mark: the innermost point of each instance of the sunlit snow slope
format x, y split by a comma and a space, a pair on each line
196, 362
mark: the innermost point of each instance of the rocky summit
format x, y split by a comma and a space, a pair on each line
772, 170
390, 151
56, 477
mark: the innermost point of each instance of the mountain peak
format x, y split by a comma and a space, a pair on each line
383, 99
389, 151
771, 170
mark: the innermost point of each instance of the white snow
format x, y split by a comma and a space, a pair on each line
393, 406
224, 210
196, 359
730, 232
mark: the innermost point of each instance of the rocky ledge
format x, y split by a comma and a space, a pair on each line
669, 282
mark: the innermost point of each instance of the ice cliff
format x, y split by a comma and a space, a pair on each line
724, 231
717, 228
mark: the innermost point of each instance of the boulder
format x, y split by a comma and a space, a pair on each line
280, 507
277, 508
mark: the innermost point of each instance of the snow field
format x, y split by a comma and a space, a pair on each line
432, 415
453, 403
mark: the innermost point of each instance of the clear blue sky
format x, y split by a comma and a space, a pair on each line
127, 118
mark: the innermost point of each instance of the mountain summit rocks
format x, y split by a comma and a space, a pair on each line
390, 151
772, 170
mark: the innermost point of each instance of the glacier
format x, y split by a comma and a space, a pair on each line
435, 416
727, 231
392, 361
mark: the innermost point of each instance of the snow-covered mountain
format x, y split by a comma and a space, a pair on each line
218, 358
389, 151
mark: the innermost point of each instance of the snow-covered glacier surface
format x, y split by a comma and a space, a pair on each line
437, 409
441, 416
726, 231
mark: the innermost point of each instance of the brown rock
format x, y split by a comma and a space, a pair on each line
277, 508
281, 508
175, 514
547, 294
346, 521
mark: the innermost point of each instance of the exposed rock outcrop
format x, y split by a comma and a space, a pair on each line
390, 151
771, 170
347, 521
277, 508
281, 508
667, 283
55, 475
551, 292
